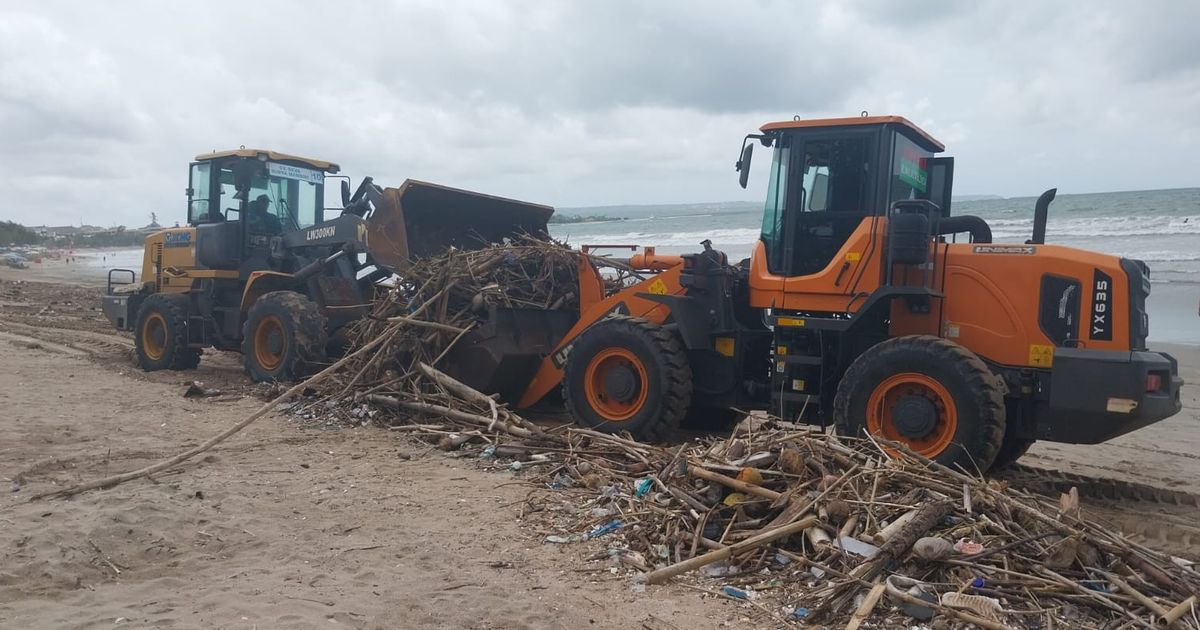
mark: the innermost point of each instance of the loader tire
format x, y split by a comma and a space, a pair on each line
284, 337
931, 394
160, 337
628, 374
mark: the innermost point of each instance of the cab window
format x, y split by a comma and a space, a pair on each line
832, 201
910, 171
199, 183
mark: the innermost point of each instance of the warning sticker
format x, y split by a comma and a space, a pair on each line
658, 287
1040, 355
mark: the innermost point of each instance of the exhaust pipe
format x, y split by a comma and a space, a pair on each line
979, 230
1040, 211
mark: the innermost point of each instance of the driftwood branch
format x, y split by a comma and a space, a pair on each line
108, 482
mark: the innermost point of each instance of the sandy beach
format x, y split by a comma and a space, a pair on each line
302, 525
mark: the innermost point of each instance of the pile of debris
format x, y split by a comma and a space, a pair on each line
829, 530
441, 298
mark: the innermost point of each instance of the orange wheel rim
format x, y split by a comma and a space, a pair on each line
270, 342
915, 410
154, 336
615, 383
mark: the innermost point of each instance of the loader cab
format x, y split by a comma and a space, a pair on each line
239, 200
829, 176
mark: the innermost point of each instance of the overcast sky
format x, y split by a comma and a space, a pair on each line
102, 104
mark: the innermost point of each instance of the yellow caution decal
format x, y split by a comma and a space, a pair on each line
724, 345
1041, 355
789, 321
658, 287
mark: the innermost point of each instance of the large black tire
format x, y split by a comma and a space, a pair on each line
628, 374
160, 336
712, 418
932, 394
1011, 449
284, 337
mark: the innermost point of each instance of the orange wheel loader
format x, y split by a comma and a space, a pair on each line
866, 305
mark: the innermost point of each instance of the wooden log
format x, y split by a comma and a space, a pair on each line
662, 575
927, 515
796, 508
893, 528
424, 324
454, 414
867, 606
740, 486
453, 442
1176, 613
460, 388
1158, 609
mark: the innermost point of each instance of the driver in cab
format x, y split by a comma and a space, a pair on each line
258, 220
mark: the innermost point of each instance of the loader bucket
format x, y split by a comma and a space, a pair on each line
422, 219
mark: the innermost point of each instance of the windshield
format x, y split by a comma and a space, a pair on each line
291, 196
773, 212
295, 193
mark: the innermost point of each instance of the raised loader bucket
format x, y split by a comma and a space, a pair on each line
422, 219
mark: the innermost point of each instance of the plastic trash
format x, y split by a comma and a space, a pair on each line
642, 486
986, 607
978, 582
734, 498
858, 547
750, 476
738, 593
932, 548
800, 612
968, 547
610, 526
561, 481
720, 569
914, 588
488, 452
601, 512
599, 531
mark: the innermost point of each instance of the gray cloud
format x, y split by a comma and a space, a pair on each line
103, 105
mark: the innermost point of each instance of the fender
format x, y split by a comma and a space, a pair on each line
261, 283
692, 318
629, 300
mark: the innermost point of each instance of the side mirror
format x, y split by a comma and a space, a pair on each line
819, 200
345, 193
743, 165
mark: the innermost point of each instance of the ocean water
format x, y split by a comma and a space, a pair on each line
1160, 227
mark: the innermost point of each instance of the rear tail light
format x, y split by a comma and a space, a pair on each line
1153, 382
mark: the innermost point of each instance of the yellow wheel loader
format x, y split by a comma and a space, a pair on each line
263, 268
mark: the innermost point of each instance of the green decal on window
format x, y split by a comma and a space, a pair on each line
912, 173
